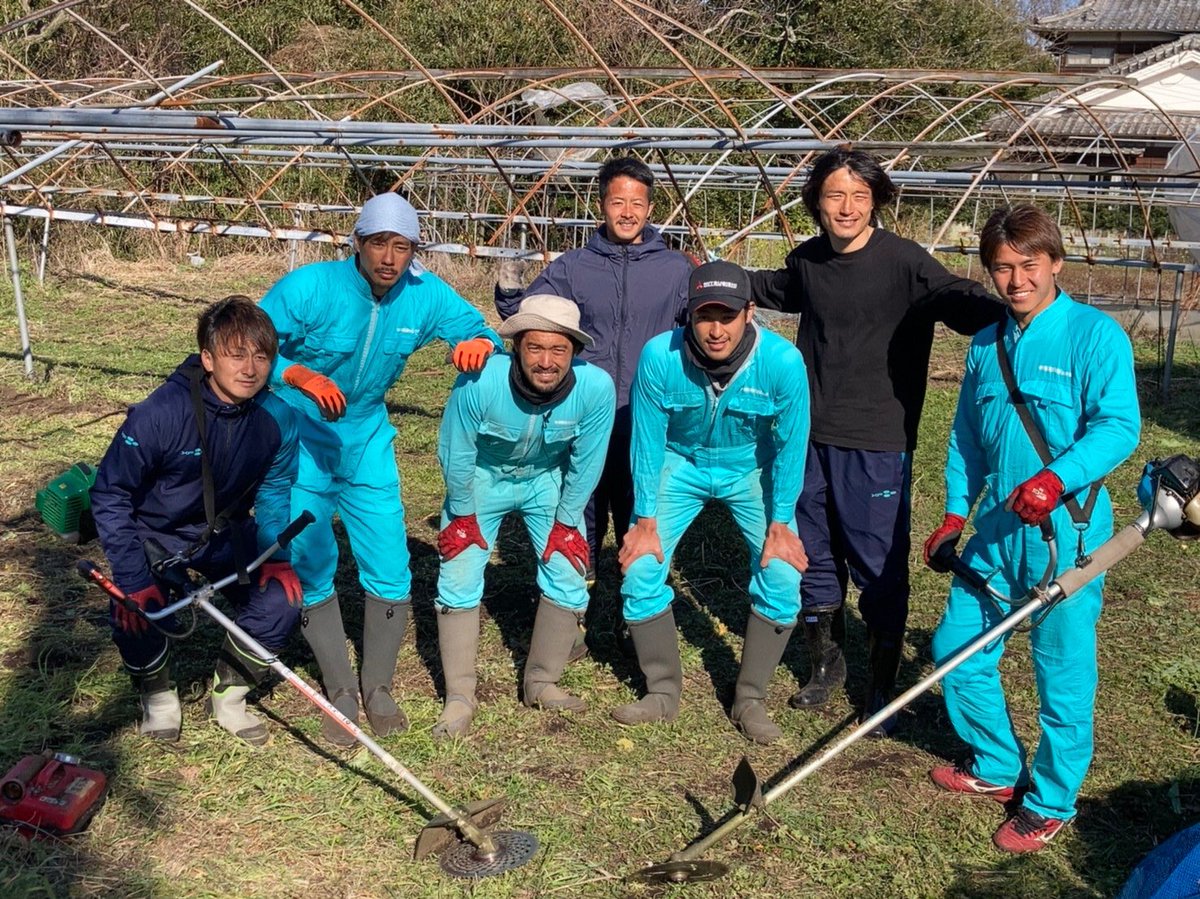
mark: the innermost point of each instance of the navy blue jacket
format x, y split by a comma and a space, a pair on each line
149, 483
626, 294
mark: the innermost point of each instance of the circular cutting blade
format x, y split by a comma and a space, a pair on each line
513, 849
681, 872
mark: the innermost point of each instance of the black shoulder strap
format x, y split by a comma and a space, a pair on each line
216, 521
1081, 516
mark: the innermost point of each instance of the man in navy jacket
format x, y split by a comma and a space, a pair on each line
629, 286
151, 486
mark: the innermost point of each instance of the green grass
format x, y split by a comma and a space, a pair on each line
208, 817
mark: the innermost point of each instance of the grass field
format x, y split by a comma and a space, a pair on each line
211, 817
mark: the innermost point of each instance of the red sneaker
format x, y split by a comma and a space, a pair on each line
1026, 831
959, 779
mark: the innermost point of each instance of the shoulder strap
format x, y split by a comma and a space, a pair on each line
216, 520
1080, 515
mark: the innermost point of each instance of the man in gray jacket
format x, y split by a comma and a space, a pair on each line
629, 286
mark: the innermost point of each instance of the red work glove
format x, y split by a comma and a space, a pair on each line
286, 575
1034, 500
571, 544
130, 621
470, 355
949, 532
326, 394
458, 535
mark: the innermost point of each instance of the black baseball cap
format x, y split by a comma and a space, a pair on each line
719, 282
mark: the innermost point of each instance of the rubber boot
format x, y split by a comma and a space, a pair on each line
384, 624
235, 673
554, 631
761, 652
825, 633
162, 714
458, 644
657, 644
883, 653
579, 648
322, 627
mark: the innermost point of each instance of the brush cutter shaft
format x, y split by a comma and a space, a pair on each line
1106, 555
314, 696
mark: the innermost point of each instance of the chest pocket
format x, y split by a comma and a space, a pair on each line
682, 400
332, 349
752, 405
403, 343
555, 435
499, 431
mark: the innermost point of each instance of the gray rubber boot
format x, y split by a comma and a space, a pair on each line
458, 644
384, 624
554, 630
657, 645
322, 627
761, 652
825, 633
235, 673
162, 714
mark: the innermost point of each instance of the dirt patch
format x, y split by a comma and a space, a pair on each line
34, 405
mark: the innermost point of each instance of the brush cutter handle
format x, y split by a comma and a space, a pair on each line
952, 562
288, 534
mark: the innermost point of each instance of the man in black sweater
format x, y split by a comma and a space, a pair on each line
868, 301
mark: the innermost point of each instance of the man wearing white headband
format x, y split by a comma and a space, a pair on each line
346, 330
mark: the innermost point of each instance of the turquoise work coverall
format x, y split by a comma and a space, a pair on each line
1074, 365
329, 321
744, 446
501, 454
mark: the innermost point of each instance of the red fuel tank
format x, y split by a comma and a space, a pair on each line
50, 793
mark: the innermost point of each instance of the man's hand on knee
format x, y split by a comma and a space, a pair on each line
640, 540
568, 541
783, 544
458, 535
284, 573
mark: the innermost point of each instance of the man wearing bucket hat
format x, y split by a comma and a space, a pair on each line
528, 435
720, 411
346, 330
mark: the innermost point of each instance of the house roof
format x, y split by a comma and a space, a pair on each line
1170, 16
1155, 54
1123, 124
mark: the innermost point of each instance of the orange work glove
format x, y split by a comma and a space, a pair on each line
470, 355
326, 394
1034, 500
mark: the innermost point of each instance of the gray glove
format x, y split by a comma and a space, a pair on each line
510, 275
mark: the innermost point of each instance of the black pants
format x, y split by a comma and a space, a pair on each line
613, 498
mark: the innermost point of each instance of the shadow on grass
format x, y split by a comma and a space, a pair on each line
45, 709
1112, 833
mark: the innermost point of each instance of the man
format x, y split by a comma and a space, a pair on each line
525, 435
720, 411
1073, 368
629, 286
211, 430
346, 330
868, 301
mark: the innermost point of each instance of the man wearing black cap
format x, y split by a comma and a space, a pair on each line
720, 411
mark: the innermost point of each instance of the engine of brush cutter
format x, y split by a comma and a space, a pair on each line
50, 794
1170, 492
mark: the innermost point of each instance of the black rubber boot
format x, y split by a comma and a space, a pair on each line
458, 645
657, 645
384, 624
554, 631
235, 673
162, 713
322, 627
825, 633
884, 649
761, 652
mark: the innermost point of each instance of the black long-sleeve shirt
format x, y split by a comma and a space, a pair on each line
866, 330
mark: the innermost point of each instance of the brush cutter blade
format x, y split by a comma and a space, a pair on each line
442, 831
513, 849
747, 791
681, 872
